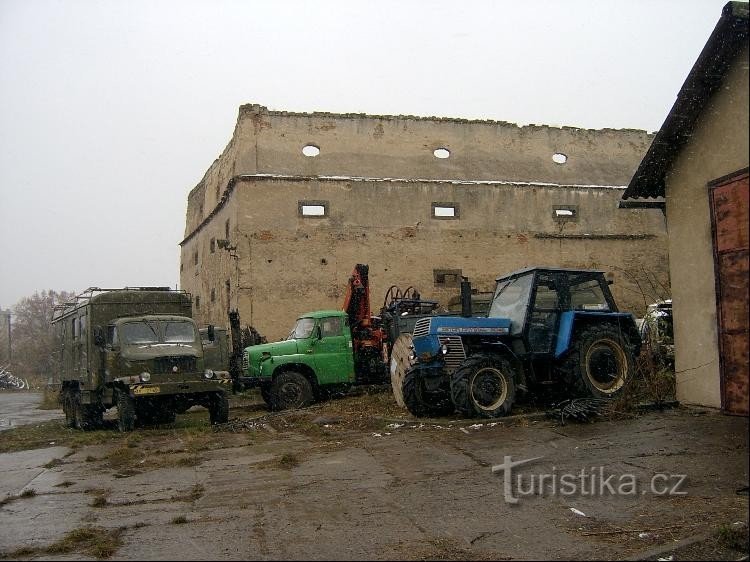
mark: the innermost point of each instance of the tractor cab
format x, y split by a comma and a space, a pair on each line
537, 300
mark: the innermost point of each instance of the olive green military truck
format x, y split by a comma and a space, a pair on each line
137, 349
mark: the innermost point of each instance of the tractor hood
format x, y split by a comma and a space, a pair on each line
430, 334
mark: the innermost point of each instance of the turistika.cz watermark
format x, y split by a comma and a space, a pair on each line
589, 481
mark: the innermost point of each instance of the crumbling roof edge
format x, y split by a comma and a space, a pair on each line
258, 109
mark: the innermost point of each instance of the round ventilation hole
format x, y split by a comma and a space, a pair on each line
559, 158
310, 150
441, 153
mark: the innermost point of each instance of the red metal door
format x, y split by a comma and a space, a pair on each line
730, 219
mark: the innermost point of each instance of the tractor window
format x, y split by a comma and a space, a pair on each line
510, 300
330, 327
588, 296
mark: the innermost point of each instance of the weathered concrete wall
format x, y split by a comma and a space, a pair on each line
501, 178
718, 146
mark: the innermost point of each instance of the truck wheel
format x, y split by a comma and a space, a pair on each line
291, 390
600, 362
400, 363
420, 401
265, 393
66, 398
218, 408
484, 385
125, 412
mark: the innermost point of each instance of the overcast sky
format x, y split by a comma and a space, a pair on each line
110, 112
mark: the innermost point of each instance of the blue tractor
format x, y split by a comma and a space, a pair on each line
545, 327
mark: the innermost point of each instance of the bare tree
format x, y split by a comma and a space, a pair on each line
34, 344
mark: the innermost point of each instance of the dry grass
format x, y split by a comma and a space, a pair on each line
97, 542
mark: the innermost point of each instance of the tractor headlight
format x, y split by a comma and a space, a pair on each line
412, 356
145, 376
444, 349
209, 374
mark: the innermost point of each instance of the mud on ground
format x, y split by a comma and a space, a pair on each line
359, 478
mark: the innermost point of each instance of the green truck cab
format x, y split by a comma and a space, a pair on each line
137, 349
316, 358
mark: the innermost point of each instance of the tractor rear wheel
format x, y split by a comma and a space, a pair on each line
484, 385
420, 400
400, 363
291, 390
600, 362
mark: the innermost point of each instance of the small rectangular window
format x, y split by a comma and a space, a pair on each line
213, 245
447, 277
226, 229
565, 212
213, 295
312, 209
445, 210
195, 258
197, 301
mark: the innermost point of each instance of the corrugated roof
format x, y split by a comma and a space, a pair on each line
728, 37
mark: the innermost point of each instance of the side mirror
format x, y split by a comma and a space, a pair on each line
318, 333
211, 333
99, 339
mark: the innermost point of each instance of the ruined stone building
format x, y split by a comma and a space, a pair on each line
279, 220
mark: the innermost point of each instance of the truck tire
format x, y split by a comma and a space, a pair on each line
66, 397
291, 390
484, 385
218, 408
265, 393
420, 401
125, 412
85, 416
600, 362
400, 363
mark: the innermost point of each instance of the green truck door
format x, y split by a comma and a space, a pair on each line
332, 353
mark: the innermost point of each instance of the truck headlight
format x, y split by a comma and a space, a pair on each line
145, 376
209, 374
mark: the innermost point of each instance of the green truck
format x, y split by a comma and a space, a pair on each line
316, 358
140, 350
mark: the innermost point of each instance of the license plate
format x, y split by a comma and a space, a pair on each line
146, 390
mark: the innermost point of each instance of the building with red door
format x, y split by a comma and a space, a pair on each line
696, 170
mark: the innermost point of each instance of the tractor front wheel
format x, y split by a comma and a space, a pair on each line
400, 363
420, 400
600, 362
484, 385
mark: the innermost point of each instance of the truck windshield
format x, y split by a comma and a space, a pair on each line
510, 300
179, 332
303, 329
138, 332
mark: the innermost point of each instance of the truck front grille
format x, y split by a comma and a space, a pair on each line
422, 327
456, 352
164, 365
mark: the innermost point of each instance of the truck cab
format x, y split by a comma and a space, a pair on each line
317, 354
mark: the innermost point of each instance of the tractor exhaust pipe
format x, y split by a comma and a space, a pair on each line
465, 297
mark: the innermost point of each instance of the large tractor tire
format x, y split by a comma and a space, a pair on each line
484, 385
600, 362
125, 412
400, 363
291, 390
420, 401
218, 408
